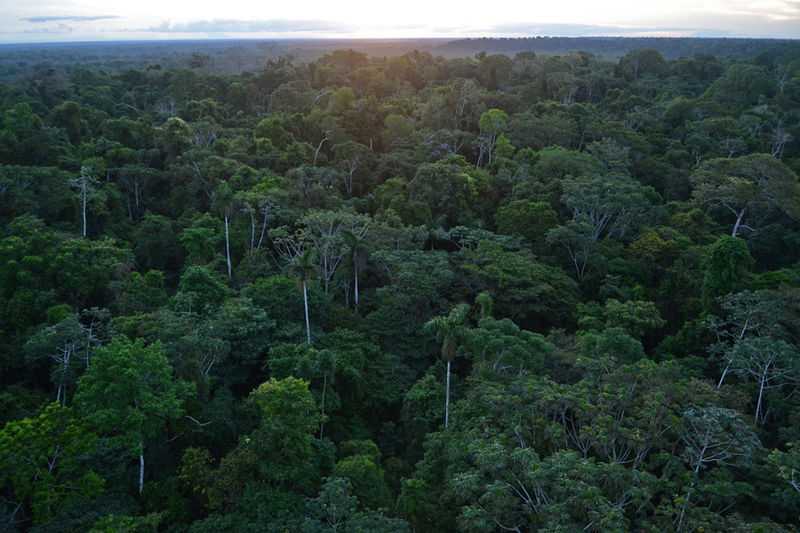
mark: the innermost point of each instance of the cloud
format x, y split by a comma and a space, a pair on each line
68, 18
573, 30
58, 29
250, 26
532, 29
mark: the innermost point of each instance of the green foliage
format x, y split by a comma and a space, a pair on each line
727, 269
401, 290
44, 462
128, 394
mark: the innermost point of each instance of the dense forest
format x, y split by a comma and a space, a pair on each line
235, 56
391, 294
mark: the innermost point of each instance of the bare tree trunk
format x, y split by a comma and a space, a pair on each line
324, 390
355, 282
252, 232
305, 305
263, 230
761, 393
447, 397
228, 248
141, 468
319, 147
83, 205
736, 226
724, 373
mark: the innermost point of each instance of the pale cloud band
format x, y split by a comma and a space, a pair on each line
181, 19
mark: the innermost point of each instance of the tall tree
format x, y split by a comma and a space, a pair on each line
85, 185
129, 394
356, 244
449, 330
224, 201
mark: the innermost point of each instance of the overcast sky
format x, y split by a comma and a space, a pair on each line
81, 20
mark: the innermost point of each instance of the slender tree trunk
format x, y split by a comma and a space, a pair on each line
447, 397
136, 193
738, 223
319, 147
130, 208
252, 232
724, 373
141, 468
355, 282
696, 474
228, 248
263, 231
324, 390
83, 206
305, 305
761, 385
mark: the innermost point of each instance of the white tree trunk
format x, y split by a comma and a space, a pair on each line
84, 194
324, 390
761, 385
141, 469
724, 373
355, 282
738, 223
252, 232
263, 230
228, 248
447, 397
305, 305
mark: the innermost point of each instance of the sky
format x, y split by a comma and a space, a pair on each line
98, 20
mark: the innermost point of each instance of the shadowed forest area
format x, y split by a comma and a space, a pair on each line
424, 286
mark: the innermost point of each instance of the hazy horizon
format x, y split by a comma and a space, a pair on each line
43, 21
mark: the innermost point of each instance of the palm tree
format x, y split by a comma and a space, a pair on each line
449, 330
302, 267
358, 256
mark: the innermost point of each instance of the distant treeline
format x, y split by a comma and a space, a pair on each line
237, 56
670, 47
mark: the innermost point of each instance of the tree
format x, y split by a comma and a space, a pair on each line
129, 394
85, 185
352, 156
524, 289
727, 268
449, 330
367, 479
788, 465
636, 317
283, 443
770, 363
531, 220
492, 123
610, 205
745, 314
325, 233
69, 345
358, 251
68, 116
444, 189
223, 200
750, 188
336, 509
308, 363
302, 268
713, 435
43, 462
